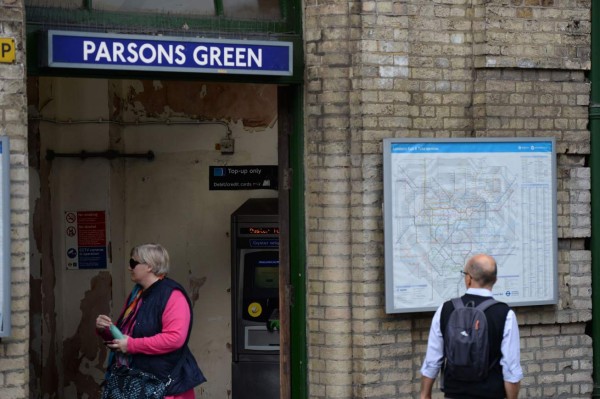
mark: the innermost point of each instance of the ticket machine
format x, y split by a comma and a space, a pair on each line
255, 299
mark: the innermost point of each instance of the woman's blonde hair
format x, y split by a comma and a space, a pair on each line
154, 255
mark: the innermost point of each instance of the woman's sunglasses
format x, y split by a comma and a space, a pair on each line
133, 263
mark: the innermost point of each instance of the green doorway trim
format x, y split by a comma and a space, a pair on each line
298, 251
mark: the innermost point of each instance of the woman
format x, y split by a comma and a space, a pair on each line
156, 323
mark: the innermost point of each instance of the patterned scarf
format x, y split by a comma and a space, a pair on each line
126, 322
127, 319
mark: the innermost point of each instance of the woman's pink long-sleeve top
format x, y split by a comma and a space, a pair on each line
175, 325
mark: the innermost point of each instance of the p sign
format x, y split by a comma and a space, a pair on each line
7, 50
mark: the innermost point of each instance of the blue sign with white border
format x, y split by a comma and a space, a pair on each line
88, 50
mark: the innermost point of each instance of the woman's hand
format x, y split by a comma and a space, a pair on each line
118, 345
103, 321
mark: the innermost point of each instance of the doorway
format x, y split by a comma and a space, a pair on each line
138, 152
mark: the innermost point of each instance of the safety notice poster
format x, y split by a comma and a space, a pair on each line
85, 239
446, 200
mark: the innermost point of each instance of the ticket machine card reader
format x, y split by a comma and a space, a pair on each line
260, 299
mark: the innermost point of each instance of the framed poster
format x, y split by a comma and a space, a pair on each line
5, 266
446, 200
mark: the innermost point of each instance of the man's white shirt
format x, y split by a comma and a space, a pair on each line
510, 347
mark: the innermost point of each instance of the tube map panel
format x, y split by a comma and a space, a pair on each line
447, 200
5, 240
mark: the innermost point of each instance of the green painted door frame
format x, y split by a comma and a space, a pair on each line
298, 251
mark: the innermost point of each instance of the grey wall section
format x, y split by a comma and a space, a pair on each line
14, 362
448, 68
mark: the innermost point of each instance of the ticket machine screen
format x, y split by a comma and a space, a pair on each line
266, 277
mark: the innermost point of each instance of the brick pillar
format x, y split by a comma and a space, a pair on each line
14, 361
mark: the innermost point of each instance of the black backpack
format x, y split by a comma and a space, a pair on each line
466, 341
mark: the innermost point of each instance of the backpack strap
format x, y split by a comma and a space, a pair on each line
457, 303
483, 306
486, 304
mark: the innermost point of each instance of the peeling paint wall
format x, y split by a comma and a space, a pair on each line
166, 200
253, 105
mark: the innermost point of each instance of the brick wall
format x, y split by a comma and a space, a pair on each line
14, 364
444, 68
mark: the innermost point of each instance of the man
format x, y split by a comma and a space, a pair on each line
504, 376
